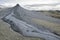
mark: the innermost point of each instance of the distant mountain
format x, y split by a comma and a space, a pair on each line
44, 4
43, 7
1, 6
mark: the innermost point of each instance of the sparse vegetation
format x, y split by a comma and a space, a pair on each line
55, 14
50, 25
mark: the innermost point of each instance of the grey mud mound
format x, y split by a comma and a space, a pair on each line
6, 33
25, 22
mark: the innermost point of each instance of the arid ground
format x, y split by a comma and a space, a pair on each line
6, 33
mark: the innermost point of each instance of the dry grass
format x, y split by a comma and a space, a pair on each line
55, 15
47, 24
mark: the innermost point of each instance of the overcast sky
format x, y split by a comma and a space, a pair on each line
29, 1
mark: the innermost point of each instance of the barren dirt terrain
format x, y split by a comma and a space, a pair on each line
42, 18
